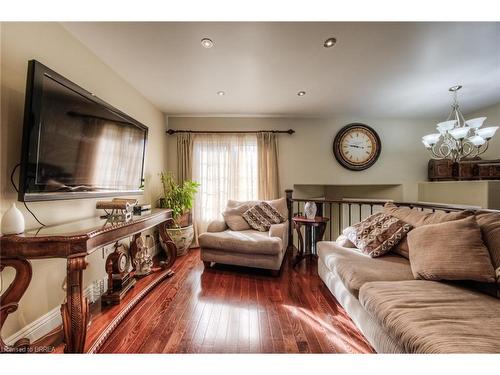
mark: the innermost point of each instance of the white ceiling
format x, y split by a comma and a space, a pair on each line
376, 69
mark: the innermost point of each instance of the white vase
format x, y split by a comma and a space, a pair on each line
12, 221
310, 210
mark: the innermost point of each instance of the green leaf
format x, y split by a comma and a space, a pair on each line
177, 197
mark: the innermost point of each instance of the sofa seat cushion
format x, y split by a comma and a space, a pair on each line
434, 317
355, 268
245, 241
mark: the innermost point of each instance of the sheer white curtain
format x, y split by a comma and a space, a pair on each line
226, 166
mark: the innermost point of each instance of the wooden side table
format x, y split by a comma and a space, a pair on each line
307, 248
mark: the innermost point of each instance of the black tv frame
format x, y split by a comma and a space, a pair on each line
36, 72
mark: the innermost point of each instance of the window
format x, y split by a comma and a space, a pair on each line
226, 167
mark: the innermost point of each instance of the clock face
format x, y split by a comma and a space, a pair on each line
357, 147
122, 262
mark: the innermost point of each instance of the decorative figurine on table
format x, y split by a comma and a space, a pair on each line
117, 210
143, 260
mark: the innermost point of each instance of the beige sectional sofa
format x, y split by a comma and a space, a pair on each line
398, 314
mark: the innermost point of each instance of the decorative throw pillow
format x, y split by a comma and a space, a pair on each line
279, 204
417, 218
377, 234
453, 250
262, 216
489, 222
233, 216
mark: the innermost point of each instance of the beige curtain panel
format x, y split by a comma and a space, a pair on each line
269, 181
184, 157
185, 170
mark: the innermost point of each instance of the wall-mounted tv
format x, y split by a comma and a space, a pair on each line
74, 144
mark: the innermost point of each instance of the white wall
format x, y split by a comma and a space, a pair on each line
53, 46
492, 114
307, 156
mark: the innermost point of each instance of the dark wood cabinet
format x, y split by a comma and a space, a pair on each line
440, 170
446, 170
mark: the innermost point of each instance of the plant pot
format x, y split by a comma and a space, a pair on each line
185, 220
182, 237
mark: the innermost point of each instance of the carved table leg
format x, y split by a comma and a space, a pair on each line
301, 250
171, 248
318, 237
9, 301
75, 312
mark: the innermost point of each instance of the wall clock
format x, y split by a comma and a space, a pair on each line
357, 146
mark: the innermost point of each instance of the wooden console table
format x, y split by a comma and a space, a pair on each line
72, 241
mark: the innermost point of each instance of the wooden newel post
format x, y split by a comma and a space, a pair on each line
289, 204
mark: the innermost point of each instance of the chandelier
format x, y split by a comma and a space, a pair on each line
459, 138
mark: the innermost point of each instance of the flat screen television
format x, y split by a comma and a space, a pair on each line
75, 145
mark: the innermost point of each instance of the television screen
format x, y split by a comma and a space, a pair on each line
74, 144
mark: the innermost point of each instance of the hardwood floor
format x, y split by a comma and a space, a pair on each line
237, 310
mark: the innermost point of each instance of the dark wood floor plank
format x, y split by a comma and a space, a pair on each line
238, 310
160, 297
266, 341
179, 293
184, 312
222, 326
218, 300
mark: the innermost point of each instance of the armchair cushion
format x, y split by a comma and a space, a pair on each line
279, 230
246, 241
233, 216
217, 226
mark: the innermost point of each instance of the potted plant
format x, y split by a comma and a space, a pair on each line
179, 198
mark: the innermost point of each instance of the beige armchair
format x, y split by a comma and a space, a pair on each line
249, 248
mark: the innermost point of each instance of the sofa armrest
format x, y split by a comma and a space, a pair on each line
217, 226
280, 231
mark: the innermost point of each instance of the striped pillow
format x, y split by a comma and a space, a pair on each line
261, 216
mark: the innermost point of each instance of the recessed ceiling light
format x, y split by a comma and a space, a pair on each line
301, 93
207, 43
221, 93
330, 42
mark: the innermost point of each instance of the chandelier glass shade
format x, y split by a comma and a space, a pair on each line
458, 138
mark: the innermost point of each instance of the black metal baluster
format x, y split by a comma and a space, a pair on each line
340, 211
331, 220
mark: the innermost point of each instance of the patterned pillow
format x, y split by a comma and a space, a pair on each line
377, 234
262, 216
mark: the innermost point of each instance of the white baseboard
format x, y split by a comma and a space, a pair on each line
44, 324
38, 328
51, 320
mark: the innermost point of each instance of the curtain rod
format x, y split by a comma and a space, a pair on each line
172, 131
